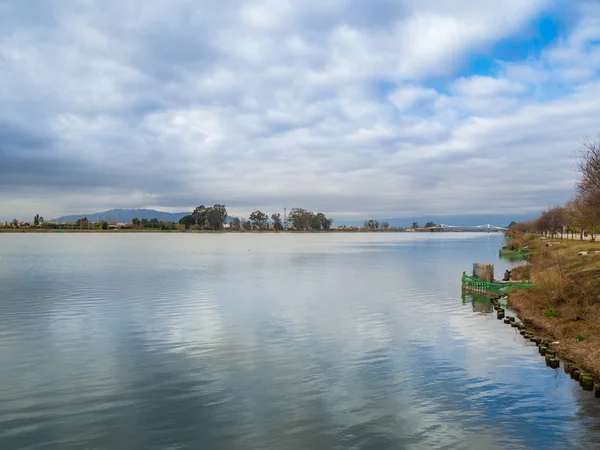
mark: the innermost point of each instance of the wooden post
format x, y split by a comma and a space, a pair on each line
484, 272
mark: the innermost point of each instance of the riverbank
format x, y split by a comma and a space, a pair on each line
565, 307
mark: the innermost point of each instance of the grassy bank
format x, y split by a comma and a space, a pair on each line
565, 307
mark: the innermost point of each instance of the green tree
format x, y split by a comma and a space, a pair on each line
371, 224
15, 223
301, 219
36, 220
246, 224
320, 221
415, 225
236, 223
82, 222
136, 222
188, 221
260, 220
105, 225
200, 215
385, 226
216, 216
277, 225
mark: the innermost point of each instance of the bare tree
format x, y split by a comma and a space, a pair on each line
589, 168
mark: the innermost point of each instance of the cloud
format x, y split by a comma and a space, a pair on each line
357, 109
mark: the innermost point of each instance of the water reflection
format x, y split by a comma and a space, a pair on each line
481, 302
305, 341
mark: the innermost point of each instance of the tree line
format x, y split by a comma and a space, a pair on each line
215, 218
581, 214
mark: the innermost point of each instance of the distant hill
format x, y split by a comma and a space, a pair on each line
501, 220
124, 215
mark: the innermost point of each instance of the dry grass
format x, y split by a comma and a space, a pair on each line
566, 305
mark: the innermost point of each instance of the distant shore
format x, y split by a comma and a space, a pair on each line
241, 231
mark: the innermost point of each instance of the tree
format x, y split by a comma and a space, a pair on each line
304, 220
415, 225
105, 225
15, 223
584, 214
277, 225
371, 224
300, 218
199, 215
430, 225
385, 226
136, 222
259, 220
246, 224
589, 168
236, 223
552, 220
36, 220
82, 222
316, 221
188, 221
327, 223
216, 216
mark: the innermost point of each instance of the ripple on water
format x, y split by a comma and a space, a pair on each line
308, 341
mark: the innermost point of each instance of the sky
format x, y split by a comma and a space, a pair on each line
385, 108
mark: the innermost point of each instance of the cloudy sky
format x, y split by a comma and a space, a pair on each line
380, 108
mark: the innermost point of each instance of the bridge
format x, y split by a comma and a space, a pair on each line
487, 227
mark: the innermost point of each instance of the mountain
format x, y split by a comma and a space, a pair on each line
124, 215
501, 220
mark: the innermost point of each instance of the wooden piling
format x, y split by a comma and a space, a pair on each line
484, 272
587, 382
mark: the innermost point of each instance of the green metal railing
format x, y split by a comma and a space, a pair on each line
476, 285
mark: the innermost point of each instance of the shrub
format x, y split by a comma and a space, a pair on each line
553, 313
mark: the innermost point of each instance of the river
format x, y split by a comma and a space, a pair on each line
268, 341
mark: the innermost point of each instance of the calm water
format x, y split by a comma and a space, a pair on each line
337, 341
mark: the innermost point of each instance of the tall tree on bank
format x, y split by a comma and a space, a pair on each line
199, 215
260, 220
304, 220
213, 217
216, 216
277, 225
371, 224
